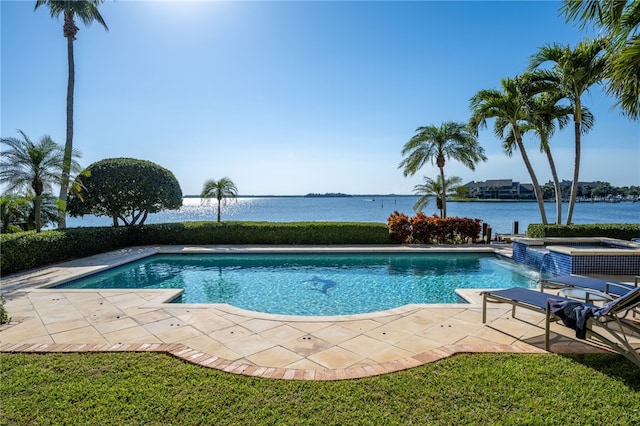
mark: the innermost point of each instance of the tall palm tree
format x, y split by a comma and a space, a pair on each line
543, 113
620, 21
574, 71
547, 114
433, 188
220, 190
508, 107
438, 144
87, 11
26, 164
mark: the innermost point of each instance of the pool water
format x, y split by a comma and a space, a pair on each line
315, 284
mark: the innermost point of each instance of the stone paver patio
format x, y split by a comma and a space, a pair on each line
257, 344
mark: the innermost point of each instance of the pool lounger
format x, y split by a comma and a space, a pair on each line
609, 325
612, 288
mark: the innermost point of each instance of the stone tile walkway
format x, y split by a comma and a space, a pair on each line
256, 344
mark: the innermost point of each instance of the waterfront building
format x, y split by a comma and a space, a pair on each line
500, 189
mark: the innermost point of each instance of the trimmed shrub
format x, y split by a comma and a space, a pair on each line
620, 231
399, 227
304, 233
467, 229
422, 229
28, 250
125, 189
4, 315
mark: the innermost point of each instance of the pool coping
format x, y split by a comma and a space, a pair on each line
623, 248
172, 294
31, 296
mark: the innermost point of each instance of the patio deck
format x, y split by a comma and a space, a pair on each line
257, 344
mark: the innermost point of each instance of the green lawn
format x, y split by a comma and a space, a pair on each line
152, 388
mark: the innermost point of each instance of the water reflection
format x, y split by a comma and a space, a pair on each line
143, 274
219, 288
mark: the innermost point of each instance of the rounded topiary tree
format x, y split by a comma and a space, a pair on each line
125, 189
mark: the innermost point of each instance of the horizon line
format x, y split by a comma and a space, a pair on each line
313, 195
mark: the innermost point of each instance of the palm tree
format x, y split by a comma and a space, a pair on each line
620, 21
542, 115
509, 108
87, 11
573, 72
49, 210
433, 188
14, 211
220, 190
26, 164
438, 144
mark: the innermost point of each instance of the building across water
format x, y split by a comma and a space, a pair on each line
500, 189
507, 189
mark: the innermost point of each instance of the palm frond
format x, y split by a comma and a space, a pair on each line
86, 10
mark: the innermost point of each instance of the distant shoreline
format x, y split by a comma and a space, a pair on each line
316, 196
374, 196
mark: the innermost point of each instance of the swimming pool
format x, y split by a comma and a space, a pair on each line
315, 284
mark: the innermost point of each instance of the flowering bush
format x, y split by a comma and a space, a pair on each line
422, 229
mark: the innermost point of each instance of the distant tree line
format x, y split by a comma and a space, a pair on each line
328, 194
598, 190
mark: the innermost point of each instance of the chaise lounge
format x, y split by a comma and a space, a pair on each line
606, 324
612, 288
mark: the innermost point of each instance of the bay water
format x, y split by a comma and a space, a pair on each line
500, 215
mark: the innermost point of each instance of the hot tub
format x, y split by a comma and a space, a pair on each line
562, 256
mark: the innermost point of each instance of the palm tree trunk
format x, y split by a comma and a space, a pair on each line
37, 207
68, 146
556, 186
219, 200
576, 167
534, 180
444, 194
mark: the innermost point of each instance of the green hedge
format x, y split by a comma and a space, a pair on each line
265, 233
29, 250
621, 231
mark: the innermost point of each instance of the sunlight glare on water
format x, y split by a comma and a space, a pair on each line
499, 215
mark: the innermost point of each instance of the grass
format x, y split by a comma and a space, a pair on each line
151, 388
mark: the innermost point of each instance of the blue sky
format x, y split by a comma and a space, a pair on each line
293, 97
